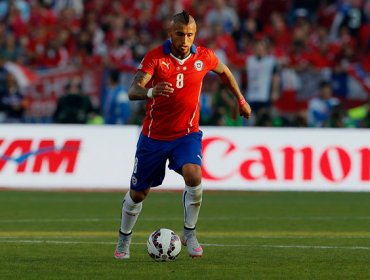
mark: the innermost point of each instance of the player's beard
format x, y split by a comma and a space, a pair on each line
181, 51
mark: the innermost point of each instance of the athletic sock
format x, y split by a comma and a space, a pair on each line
192, 199
130, 213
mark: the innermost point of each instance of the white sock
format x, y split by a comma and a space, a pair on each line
130, 213
192, 199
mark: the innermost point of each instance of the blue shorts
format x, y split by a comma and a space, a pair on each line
151, 157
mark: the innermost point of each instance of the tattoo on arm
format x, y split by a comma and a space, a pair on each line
137, 89
141, 79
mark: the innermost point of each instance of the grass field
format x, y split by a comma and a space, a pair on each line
246, 235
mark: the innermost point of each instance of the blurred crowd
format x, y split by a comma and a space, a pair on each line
302, 63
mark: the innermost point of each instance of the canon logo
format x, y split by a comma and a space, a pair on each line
333, 163
28, 155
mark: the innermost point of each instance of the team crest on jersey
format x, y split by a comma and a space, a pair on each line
198, 65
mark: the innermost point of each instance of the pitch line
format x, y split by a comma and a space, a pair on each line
78, 220
208, 234
56, 242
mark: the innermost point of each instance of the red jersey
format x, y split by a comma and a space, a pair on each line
168, 118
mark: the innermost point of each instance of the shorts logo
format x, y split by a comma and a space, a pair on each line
134, 180
198, 65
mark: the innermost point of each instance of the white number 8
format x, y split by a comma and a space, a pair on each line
180, 80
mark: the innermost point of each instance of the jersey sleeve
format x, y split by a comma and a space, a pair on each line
212, 59
148, 63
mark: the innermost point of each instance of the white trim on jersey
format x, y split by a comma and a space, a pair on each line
196, 107
181, 61
151, 117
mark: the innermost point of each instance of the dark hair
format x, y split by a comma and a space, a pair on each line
73, 82
185, 14
182, 17
324, 83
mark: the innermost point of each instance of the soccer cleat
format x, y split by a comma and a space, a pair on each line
190, 241
123, 246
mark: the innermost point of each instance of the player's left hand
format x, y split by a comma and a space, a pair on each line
163, 89
245, 110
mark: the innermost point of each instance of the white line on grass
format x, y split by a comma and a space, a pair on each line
78, 220
204, 244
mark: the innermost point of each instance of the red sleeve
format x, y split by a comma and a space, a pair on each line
212, 60
147, 65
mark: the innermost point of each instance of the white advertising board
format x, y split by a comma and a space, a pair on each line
66, 156
102, 157
287, 159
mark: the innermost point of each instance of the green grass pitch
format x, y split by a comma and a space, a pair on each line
246, 235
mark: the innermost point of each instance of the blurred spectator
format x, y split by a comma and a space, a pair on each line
84, 52
310, 40
225, 108
21, 5
76, 6
12, 101
337, 117
288, 104
74, 107
263, 118
300, 119
223, 43
339, 81
207, 107
263, 78
350, 14
116, 106
277, 30
223, 14
53, 55
3, 73
320, 108
14, 20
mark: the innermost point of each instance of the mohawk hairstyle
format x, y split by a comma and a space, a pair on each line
185, 14
183, 17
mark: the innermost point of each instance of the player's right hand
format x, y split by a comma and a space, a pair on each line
163, 89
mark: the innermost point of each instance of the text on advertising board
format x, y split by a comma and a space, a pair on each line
334, 163
41, 154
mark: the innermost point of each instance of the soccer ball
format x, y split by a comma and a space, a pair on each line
163, 245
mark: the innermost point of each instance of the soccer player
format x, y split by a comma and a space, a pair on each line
170, 79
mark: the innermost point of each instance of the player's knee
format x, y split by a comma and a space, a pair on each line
192, 180
192, 174
138, 196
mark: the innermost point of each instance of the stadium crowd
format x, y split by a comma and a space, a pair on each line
300, 62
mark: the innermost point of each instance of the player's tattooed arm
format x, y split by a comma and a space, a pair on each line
137, 90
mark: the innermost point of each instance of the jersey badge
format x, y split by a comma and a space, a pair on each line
198, 65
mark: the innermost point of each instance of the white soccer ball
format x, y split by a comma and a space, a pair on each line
163, 245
